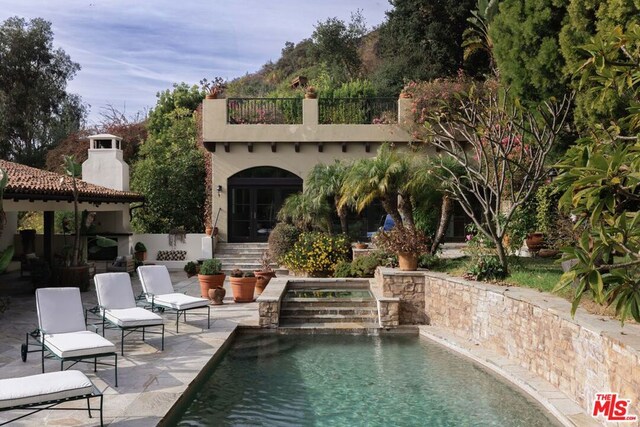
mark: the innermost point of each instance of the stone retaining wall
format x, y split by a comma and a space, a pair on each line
408, 286
582, 356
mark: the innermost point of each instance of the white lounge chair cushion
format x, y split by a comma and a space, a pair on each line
180, 301
74, 344
43, 388
130, 317
114, 290
155, 280
60, 310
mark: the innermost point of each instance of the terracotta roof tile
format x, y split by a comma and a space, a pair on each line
45, 185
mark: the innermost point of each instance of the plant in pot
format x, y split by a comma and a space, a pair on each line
407, 243
210, 276
361, 245
265, 274
140, 251
243, 285
191, 269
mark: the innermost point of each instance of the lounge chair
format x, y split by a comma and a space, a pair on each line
158, 290
62, 331
117, 306
41, 392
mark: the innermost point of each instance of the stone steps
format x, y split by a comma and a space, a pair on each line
287, 312
289, 320
302, 303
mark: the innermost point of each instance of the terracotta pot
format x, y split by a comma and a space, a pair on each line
405, 95
208, 231
140, 256
361, 246
310, 95
243, 288
262, 280
548, 253
535, 242
408, 261
209, 282
216, 295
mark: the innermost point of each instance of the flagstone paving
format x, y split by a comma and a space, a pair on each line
149, 380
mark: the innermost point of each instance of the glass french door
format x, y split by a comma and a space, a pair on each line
253, 211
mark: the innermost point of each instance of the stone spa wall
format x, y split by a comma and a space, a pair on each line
582, 356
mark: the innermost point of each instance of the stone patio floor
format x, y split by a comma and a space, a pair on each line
149, 380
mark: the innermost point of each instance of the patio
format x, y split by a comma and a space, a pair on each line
149, 380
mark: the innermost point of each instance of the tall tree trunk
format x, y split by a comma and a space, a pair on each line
446, 210
392, 209
502, 256
406, 210
342, 214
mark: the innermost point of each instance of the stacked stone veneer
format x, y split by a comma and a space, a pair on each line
408, 287
582, 356
269, 303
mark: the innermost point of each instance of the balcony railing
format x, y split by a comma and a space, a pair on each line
287, 111
357, 111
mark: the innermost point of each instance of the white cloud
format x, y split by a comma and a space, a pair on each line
131, 50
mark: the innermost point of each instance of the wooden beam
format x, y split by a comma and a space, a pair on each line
344, 147
48, 235
320, 147
274, 147
297, 146
250, 147
227, 147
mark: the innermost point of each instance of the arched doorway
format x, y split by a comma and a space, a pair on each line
255, 196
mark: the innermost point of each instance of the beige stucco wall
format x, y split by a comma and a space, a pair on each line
308, 135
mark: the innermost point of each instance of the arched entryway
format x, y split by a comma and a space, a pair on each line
255, 196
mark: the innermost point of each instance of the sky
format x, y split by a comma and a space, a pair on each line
131, 49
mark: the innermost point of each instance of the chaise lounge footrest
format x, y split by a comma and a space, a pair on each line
43, 391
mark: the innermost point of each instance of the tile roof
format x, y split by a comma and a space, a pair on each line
30, 183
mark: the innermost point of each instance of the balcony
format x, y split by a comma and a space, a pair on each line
300, 121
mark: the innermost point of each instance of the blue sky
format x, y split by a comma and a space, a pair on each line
131, 49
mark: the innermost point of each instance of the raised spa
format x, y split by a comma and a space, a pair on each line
343, 380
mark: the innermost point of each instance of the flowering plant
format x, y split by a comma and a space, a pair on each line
316, 253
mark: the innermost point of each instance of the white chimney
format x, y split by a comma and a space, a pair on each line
105, 165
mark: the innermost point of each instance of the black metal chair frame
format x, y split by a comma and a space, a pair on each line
179, 313
49, 405
125, 331
41, 346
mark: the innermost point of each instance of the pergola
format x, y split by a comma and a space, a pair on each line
32, 189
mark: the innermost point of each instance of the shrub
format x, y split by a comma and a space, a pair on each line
317, 253
342, 269
140, 247
281, 240
365, 266
211, 267
191, 268
488, 268
428, 261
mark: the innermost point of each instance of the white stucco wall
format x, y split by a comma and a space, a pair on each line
106, 167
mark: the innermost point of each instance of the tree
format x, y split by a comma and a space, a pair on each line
602, 181
336, 44
171, 170
306, 212
36, 112
421, 40
526, 48
325, 181
476, 36
501, 149
586, 19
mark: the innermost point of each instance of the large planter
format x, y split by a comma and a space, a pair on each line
535, 242
77, 277
210, 282
262, 280
408, 261
243, 288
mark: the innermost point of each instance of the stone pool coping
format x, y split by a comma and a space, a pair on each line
561, 406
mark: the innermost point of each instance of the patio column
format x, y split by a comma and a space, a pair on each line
48, 236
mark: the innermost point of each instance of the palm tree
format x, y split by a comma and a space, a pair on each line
325, 181
4, 178
476, 37
383, 177
305, 212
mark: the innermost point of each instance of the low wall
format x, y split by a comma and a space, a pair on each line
582, 356
408, 288
160, 242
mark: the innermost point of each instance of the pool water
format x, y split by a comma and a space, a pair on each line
342, 380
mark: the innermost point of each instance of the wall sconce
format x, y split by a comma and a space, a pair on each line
219, 189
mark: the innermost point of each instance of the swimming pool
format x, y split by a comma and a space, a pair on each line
338, 380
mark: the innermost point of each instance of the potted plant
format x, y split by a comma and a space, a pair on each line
406, 242
210, 276
191, 269
361, 245
264, 275
140, 252
243, 285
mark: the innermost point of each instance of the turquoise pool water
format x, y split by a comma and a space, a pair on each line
340, 380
